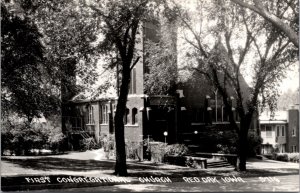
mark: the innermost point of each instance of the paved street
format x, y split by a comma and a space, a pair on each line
262, 175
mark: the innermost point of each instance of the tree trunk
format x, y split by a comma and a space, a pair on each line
120, 167
243, 142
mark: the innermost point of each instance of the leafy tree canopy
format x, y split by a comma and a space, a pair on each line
44, 45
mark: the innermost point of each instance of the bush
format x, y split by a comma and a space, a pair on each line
226, 149
176, 149
159, 151
291, 157
88, 144
254, 143
189, 162
20, 137
281, 157
133, 150
108, 144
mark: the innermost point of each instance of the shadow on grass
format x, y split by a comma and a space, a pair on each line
135, 169
52, 163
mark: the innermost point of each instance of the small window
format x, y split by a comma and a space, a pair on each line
126, 118
104, 114
282, 130
268, 131
294, 132
294, 148
90, 115
132, 86
134, 116
278, 130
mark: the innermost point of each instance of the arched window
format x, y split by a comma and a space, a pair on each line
126, 116
90, 115
134, 116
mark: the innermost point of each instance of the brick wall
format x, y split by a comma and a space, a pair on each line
293, 140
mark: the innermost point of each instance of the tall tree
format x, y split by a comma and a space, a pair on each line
44, 45
24, 78
121, 24
225, 41
161, 60
278, 13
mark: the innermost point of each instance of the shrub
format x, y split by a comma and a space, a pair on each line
133, 149
108, 144
189, 162
160, 150
87, 143
20, 137
157, 150
226, 149
176, 149
291, 157
281, 157
254, 143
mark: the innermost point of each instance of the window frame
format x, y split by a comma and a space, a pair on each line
134, 116
278, 130
270, 132
104, 114
126, 118
132, 85
294, 132
90, 118
282, 130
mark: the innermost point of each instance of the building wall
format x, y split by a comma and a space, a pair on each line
268, 138
92, 128
293, 138
276, 138
134, 132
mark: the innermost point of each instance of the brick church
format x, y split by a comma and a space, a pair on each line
186, 117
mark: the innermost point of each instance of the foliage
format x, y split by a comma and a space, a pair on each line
24, 77
44, 44
159, 150
281, 157
176, 149
284, 15
121, 22
225, 42
70, 33
20, 137
287, 99
133, 150
291, 157
227, 143
190, 162
254, 143
161, 62
88, 144
108, 144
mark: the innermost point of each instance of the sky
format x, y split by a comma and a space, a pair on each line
291, 82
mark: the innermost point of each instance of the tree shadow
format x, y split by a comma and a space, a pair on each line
53, 163
135, 169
